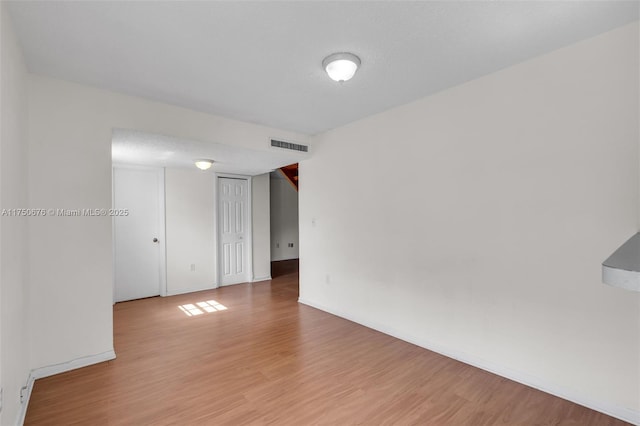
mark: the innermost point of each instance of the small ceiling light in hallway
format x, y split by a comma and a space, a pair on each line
341, 66
204, 164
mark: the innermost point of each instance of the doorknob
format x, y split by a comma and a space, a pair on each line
240, 237
155, 240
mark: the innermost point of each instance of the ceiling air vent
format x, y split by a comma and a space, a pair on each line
288, 145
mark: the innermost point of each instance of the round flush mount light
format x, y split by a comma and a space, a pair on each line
341, 66
204, 164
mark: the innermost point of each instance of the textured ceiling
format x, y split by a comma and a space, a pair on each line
261, 61
134, 147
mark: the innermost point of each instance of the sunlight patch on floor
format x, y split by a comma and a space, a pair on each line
199, 308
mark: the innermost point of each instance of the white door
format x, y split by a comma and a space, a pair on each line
138, 236
233, 220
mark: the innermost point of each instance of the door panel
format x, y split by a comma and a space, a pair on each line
233, 202
138, 259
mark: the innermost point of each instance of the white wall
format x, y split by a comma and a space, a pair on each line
261, 227
70, 167
284, 220
475, 221
190, 227
14, 331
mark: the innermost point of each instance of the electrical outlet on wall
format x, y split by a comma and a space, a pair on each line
193, 267
277, 245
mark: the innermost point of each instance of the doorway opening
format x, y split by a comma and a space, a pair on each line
284, 220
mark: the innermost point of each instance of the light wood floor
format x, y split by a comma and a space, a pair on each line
268, 360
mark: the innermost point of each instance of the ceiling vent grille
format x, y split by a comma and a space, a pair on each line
288, 145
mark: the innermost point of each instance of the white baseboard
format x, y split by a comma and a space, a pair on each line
622, 413
84, 361
39, 373
25, 403
265, 278
190, 290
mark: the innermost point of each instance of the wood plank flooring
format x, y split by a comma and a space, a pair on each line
268, 360
284, 267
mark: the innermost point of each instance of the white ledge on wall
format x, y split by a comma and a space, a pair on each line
622, 268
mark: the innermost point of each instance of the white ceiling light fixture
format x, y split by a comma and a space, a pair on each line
204, 164
341, 66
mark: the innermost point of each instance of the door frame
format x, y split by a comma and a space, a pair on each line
161, 231
216, 216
